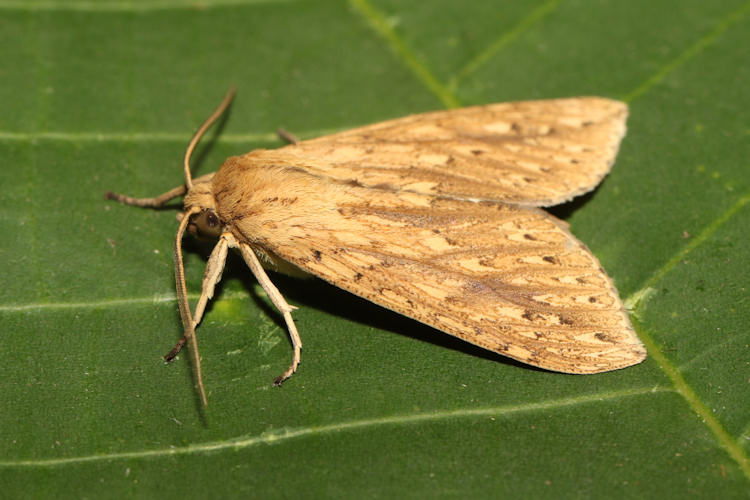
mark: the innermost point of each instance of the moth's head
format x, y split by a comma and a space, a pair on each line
201, 207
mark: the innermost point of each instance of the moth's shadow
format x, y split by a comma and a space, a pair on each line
565, 210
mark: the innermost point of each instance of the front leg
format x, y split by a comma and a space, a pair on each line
211, 277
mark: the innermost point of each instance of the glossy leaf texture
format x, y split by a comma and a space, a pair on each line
101, 96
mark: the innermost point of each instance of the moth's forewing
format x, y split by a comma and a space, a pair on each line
537, 153
510, 279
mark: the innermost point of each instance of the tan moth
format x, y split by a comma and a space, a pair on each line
433, 216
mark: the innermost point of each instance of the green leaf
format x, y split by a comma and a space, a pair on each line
104, 95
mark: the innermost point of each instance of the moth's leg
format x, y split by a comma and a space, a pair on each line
211, 277
278, 300
287, 136
157, 201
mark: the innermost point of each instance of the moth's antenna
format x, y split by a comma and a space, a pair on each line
182, 300
202, 130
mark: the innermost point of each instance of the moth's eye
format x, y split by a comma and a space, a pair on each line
212, 220
207, 224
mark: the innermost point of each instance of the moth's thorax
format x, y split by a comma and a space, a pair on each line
255, 194
200, 194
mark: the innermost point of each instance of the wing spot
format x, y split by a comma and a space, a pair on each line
529, 237
551, 259
317, 255
531, 315
384, 186
564, 320
352, 182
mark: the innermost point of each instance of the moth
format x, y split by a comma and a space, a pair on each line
435, 216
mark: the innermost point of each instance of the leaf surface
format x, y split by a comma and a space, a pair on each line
104, 96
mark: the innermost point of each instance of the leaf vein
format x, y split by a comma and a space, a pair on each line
723, 438
281, 435
128, 6
97, 304
379, 22
505, 39
692, 51
700, 239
